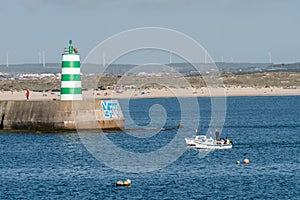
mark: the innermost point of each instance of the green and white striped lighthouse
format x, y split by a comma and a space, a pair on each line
70, 75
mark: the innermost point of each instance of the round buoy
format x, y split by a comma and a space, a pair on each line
127, 182
238, 162
246, 161
120, 183
197, 131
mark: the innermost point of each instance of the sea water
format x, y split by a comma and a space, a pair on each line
265, 130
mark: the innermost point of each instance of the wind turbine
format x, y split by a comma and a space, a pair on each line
44, 59
170, 57
40, 57
6, 58
104, 61
270, 57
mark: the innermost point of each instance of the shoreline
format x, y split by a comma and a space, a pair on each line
156, 93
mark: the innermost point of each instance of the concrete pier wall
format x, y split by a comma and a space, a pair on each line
61, 115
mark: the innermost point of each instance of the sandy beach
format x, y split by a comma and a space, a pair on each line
156, 93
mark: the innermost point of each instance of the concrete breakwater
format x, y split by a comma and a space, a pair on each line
61, 115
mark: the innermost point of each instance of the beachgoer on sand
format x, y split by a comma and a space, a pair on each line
27, 94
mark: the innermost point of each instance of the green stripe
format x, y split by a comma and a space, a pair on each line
71, 91
70, 64
70, 77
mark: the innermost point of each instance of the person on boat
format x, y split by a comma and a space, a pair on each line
217, 135
227, 141
221, 141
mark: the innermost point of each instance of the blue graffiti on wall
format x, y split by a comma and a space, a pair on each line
110, 109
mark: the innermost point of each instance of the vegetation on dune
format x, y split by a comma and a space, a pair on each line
19, 85
266, 79
259, 80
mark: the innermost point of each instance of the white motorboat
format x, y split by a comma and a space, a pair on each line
196, 139
202, 142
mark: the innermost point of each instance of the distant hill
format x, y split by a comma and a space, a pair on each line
184, 68
31, 68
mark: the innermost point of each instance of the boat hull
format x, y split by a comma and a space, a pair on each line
190, 141
213, 146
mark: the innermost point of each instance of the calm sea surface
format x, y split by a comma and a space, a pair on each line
265, 130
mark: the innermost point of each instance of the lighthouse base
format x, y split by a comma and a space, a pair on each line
47, 116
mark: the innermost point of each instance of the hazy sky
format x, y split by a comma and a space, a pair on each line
238, 30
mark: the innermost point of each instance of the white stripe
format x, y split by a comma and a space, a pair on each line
71, 57
71, 84
65, 97
70, 71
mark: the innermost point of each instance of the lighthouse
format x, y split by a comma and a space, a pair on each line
70, 75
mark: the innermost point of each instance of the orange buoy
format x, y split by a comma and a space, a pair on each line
127, 182
120, 183
246, 161
180, 126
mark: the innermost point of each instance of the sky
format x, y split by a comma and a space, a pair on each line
232, 30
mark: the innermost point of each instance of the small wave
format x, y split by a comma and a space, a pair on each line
265, 144
256, 126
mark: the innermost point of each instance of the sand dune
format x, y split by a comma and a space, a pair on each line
155, 93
